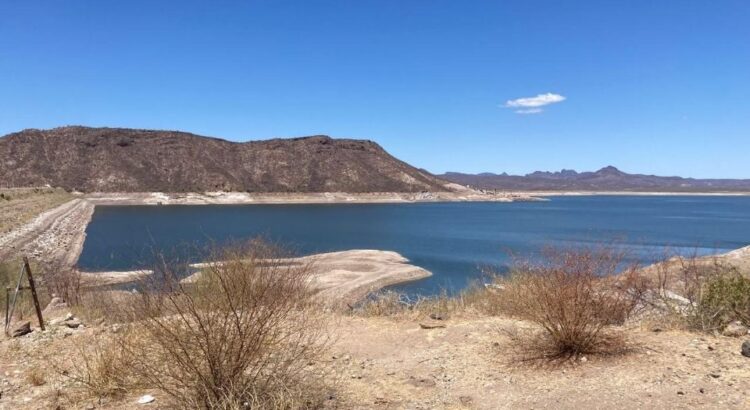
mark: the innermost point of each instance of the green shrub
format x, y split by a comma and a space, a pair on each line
725, 299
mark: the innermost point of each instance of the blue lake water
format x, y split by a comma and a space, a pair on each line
453, 240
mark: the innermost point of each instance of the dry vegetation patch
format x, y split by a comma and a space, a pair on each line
20, 205
244, 335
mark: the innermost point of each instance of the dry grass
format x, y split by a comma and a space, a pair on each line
101, 368
245, 333
20, 205
63, 282
35, 376
400, 306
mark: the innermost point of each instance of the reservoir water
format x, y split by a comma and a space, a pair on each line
453, 240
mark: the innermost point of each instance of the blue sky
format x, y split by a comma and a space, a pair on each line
649, 86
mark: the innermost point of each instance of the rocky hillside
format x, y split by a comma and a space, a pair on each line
605, 179
130, 160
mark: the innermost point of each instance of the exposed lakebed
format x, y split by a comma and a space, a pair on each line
452, 240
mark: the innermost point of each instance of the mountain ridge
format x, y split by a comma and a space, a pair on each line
102, 159
606, 179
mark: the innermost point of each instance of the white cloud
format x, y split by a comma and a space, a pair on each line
529, 111
530, 105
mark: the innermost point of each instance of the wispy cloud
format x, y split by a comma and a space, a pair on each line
531, 105
529, 111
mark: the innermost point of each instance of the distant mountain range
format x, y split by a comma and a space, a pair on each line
606, 179
130, 160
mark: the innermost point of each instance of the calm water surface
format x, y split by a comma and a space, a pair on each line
453, 240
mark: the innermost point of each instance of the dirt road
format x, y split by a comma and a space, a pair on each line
54, 237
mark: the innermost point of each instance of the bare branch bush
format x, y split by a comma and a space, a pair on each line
63, 282
241, 333
702, 293
574, 297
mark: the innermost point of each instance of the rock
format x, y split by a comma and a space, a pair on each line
735, 329
583, 359
746, 348
465, 400
146, 399
431, 324
73, 324
69, 316
54, 304
22, 329
438, 316
421, 382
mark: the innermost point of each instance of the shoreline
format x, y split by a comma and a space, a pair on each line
545, 194
244, 198
56, 236
342, 277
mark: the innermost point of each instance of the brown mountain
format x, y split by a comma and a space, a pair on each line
606, 179
129, 160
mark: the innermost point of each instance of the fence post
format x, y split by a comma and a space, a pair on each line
33, 292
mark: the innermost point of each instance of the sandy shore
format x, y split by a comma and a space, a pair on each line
239, 198
340, 277
349, 276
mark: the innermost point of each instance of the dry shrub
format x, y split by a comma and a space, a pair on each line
100, 367
63, 282
702, 294
574, 297
35, 376
107, 305
242, 334
397, 305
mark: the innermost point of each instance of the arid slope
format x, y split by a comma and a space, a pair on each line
129, 160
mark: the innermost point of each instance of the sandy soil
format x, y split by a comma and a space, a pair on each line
385, 363
392, 364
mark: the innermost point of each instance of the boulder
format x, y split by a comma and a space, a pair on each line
73, 323
735, 329
55, 304
21, 329
746, 348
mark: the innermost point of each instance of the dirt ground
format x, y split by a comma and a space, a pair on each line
20, 205
387, 363
469, 364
